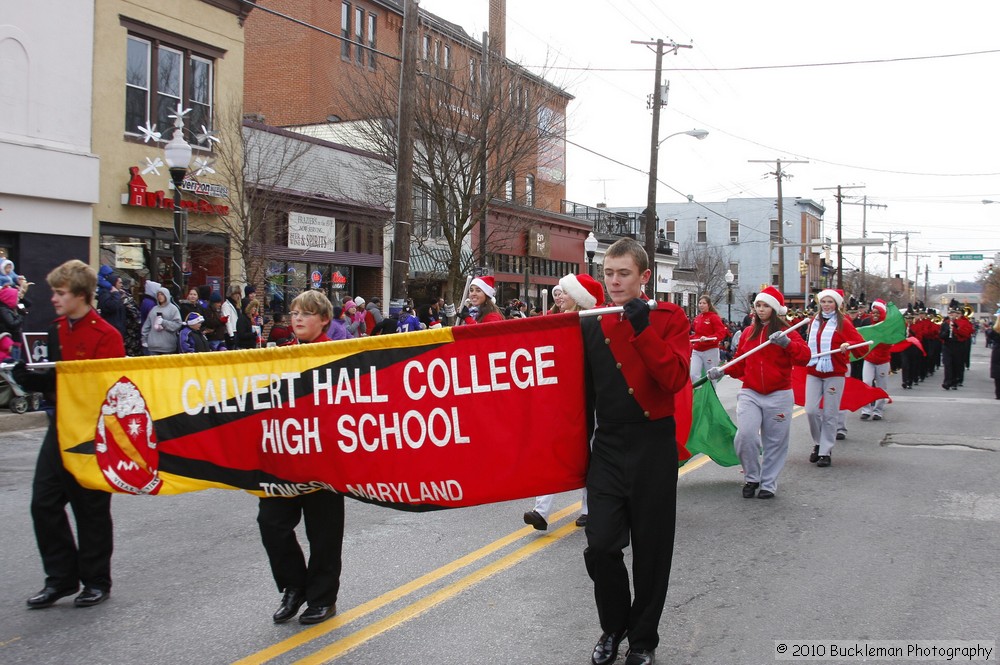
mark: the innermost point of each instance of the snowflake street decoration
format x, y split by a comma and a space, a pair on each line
207, 135
152, 166
203, 166
149, 132
178, 115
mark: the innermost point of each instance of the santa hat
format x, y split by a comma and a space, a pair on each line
194, 317
486, 284
879, 304
772, 298
583, 289
556, 289
836, 294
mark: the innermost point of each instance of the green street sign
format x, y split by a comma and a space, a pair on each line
966, 257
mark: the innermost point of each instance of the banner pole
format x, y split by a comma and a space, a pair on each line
853, 346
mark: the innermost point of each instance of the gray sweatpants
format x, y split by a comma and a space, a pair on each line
878, 376
764, 425
823, 422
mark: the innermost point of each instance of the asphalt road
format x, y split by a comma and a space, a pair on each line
898, 540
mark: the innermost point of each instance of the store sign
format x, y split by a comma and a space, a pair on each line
338, 282
139, 196
205, 188
311, 232
538, 242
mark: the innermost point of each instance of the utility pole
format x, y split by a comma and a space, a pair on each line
864, 225
840, 230
484, 82
779, 175
656, 102
403, 228
906, 268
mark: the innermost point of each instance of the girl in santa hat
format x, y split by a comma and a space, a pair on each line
764, 404
576, 293
830, 330
707, 333
876, 366
481, 308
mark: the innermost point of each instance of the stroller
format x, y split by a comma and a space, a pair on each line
14, 396
11, 394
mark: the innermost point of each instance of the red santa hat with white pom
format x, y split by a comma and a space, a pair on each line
772, 298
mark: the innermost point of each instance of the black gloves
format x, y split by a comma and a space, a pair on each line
464, 314
637, 313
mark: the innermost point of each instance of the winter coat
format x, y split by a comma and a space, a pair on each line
769, 369
338, 330
847, 333
162, 341
708, 325
192, 341
150, 290
11, 320
111, 307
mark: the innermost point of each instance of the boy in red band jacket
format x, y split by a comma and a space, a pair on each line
635, 362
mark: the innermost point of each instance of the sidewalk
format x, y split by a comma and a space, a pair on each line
15, 422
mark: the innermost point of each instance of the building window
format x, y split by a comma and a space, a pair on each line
702, 230
774, 273
735, 269
345, 30
774, 230
734, 231
508, 188
158, 77
437, 52
529, 190
447, 57
427, 47
359, 35
473, 75
372, 23
671, 230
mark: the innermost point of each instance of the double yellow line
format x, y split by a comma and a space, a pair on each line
354, 640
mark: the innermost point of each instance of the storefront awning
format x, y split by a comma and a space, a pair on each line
432, 263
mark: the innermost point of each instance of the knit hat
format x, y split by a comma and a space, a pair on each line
836, 294
248, 289
348, 302
487, 284
359, 301
772, 298
215, 297
879, 304
194, 317
583, 289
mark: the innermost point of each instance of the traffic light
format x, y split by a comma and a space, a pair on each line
803, 267
940, 265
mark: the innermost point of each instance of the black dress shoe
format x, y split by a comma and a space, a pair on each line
606, 649
640, 657
91, 596
317, 614
534, 519
814, 455
749, 490
765, 494
48, 596
840, 437
290, 604
581, 520
824, 460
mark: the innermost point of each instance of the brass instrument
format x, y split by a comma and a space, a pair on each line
968, 312
938, 319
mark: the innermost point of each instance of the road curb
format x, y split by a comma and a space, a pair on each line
15, 422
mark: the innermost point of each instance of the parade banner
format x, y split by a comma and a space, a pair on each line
433, 419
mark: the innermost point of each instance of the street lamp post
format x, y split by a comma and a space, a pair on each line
177, 153
590, 246
729, 295
650, 213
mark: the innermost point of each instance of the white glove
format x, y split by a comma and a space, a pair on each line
715, 373
780, 339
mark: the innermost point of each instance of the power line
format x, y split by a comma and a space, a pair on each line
747, 68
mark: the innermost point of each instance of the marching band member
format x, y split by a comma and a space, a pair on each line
707, 333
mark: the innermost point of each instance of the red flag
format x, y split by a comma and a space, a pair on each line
909, 341
856, 393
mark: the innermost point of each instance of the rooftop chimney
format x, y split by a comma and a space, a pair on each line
498, 26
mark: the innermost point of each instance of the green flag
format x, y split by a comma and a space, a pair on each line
712, 431
888, 331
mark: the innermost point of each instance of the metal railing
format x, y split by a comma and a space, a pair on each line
609, 225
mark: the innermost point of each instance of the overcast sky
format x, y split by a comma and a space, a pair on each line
921, 135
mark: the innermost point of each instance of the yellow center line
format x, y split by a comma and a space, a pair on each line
354, 640
355, 613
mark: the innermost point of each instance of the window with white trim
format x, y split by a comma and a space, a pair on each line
529, 190
734, 231
702, 230
158, 76
345, 30
671, 230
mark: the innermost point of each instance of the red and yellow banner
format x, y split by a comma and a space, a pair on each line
440, 418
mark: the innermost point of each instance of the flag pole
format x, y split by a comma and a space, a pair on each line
749, 353
838, 350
